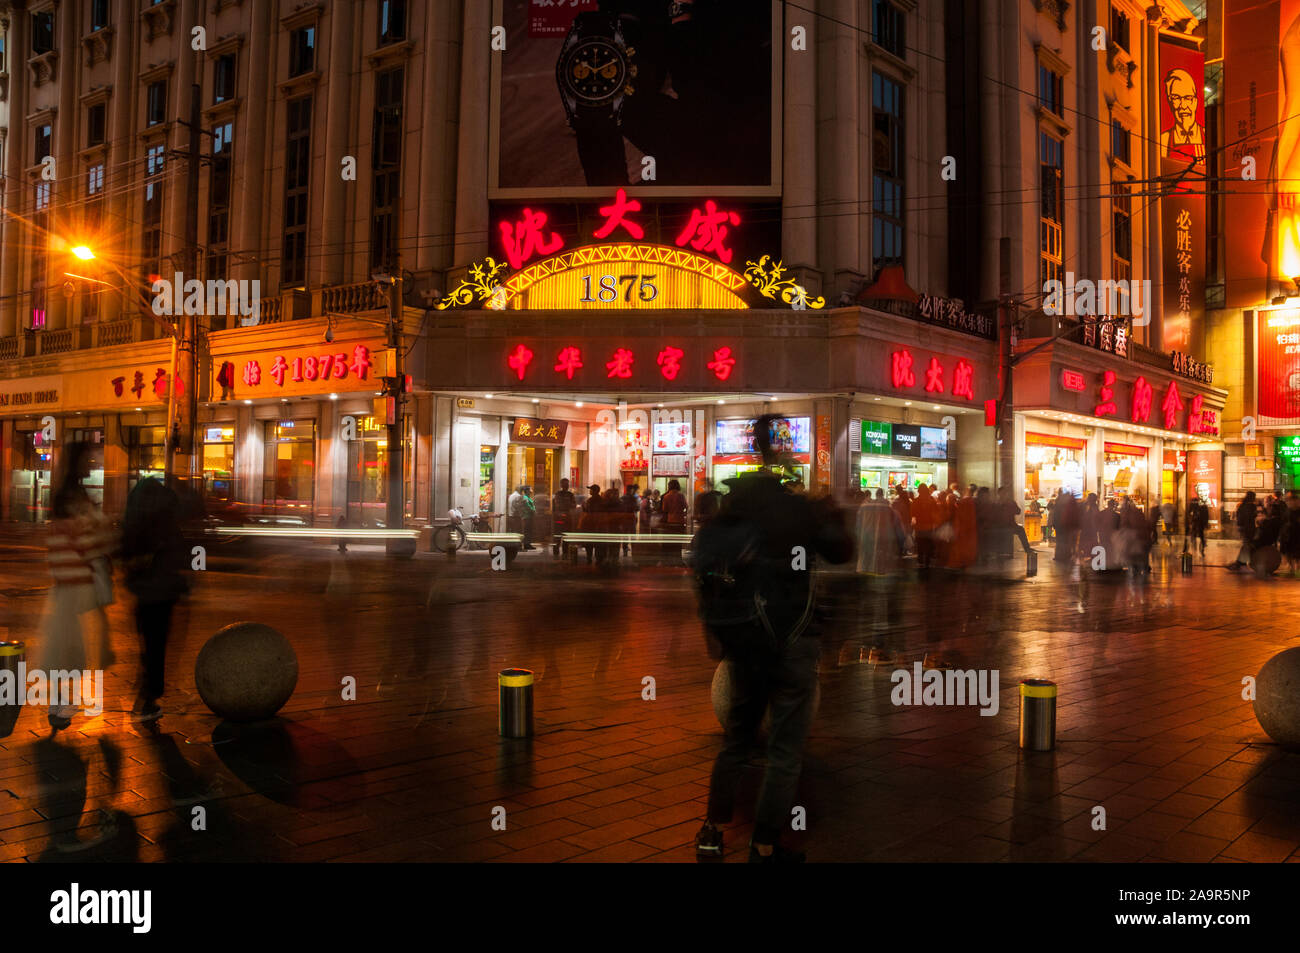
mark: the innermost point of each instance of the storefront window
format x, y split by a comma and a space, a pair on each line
219, 463
29, 499
367, 502
94, 482
146, 454
734, 452
534, 467
902, 455
1053, 465
487, 475
1124, 473
289, 484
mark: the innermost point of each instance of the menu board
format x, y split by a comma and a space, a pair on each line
934, 443
907, 440
789, 435
672, 437
876, 437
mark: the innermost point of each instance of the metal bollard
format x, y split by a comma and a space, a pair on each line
1187, 562
1031, 564
1037, 714
11, 657
515, 703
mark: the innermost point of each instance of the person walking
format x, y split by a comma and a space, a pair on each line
758, 608
591, 522
674, 508
155, 555
707, 504
1010, 514
563, 504
1067, 527
628, 506
925, 519
1291, 531
515, 511
1245, 520
529, 515
1198, 518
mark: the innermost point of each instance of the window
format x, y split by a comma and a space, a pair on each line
95, 124
302, 51
887, 27
1119, 29
1122, 238
98, 15
1051, 90
2, 51
40, 228
94, 205
44, 135
392, 21
1051, 159
219, 201
42, 32
151, 239
387, 160
297, 168
1120, 142
223, 78
156, 103
887, 172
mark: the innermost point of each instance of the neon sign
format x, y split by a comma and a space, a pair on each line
902, 374
1073, 380
1142, 393
1106, 396
669, 361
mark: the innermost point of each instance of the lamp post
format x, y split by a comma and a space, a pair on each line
395, 391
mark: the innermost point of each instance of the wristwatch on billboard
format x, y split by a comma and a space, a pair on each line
595, 73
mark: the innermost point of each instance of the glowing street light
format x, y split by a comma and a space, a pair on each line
84, 253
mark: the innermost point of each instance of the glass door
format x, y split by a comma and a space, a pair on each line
289, 476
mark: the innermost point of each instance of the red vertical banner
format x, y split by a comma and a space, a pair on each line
822, 473
1279, 368
1183, 161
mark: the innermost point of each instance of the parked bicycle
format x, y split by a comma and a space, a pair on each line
452, 535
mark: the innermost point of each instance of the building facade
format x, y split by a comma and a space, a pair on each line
620, 240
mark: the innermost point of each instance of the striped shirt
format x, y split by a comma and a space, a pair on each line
74, 543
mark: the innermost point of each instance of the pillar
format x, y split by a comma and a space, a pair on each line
471, 154
339, 195
17, 152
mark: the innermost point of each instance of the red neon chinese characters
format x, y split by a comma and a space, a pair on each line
568, 360
901, 369
524, 238
252, 373
963, 380
934, 377
278, 369
137, 387
1198, 419
160, 383
616, 215
722, 363
709, 229
670, 361
360, 360
117, 385
1142, 393
1106, 396
519, 359
621, 366
1171, 405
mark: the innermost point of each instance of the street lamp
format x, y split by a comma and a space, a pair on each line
84, 253
395, 511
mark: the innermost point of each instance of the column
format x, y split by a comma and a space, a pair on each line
17, 152
839, 158
436, 173
63, 192
254, 135
799, 146
471, 153
339, 195
186, 75
123, 201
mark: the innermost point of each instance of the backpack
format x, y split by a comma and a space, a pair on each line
731, 574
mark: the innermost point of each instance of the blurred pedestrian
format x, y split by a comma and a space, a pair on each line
1245, 519
706, 504
1010, 514
591, 521
674, 508
1169, 517
1291, 531
759, 610
925, 520
628, 506
1067, 526
529, 515
515, 511
155, 555
563, 504
1198, 518
902, 506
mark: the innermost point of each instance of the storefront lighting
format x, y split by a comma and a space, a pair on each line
907, 403
721, 401
334, 396
936, 406
577, 403
487, 396
537, 400
138, 409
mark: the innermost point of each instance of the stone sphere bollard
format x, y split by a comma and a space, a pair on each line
720, 692
246, 672
1277, 697
1265, 561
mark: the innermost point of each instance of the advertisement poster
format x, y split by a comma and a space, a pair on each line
735, 438
822, 472
1279, 368
876, 437
622, 92
672, 437
907, 440
1205, 469
934, 443
1182, 213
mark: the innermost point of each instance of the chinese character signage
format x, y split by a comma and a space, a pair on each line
1188, 366
1279, 367
306, 369
1137, 399
937, 376
952, 313
530, 430
1182, 207
664, 95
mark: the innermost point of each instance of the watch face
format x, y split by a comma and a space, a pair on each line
594, 71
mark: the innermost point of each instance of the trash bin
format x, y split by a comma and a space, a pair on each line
1037, 714
11, 657
515, 703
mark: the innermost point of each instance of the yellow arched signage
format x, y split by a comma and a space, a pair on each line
618, 277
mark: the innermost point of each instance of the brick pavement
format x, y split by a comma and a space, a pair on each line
1152, 726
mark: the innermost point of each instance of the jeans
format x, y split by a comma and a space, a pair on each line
1019, 531
789, 685
153, 620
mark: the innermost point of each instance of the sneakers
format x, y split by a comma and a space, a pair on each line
708, 842
779, 855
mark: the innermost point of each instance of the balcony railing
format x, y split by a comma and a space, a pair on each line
57, 342
9, 348
348, 299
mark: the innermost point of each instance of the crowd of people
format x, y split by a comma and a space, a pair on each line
1269, 532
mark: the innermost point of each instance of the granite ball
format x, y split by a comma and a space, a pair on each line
1265, 561
1277, 697
246, 672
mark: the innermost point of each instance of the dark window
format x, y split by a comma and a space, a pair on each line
43, 140
40, 228
1119, 29
223, 78
1051, 90
2, 51
387, 161
42, 32
219, 200
151, 243
1120, 142
297, 169
302, 51
1122, 235
95, 124
392, 21
98, 15
156, 103
1051, 164
887, 27
887, 172
92, 220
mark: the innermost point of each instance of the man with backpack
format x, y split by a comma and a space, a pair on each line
754, 571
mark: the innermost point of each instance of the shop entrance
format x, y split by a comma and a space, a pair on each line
146, 454
94, 482
289, 481
1124, 473
219, 463
29, 499
534, 467
886, 473
1053, 465
367, 499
